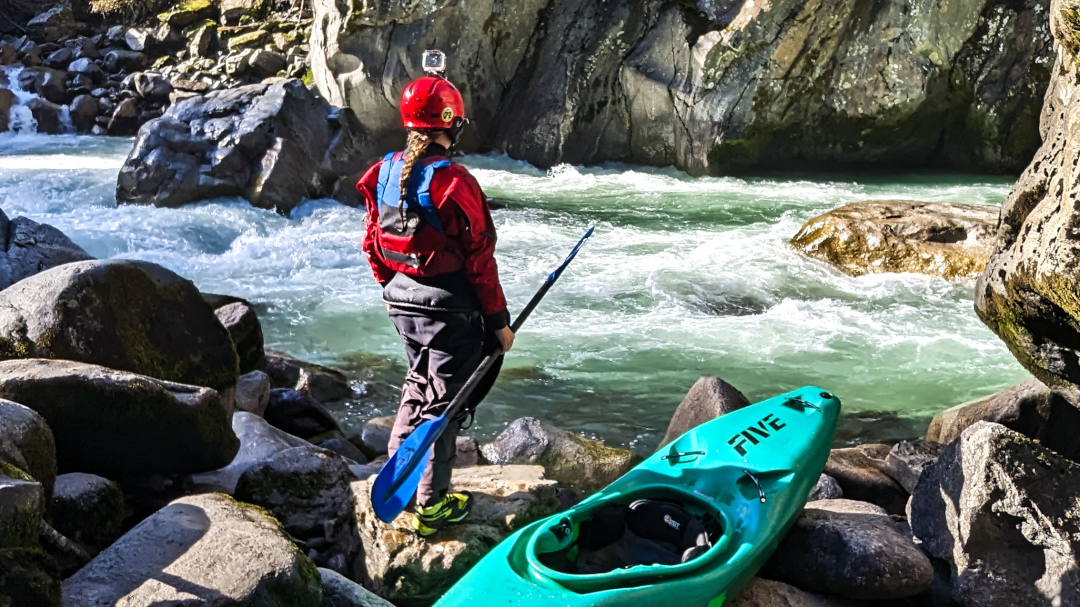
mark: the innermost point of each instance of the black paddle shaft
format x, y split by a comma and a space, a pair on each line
485, 365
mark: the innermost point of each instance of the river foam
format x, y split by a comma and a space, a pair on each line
685, 277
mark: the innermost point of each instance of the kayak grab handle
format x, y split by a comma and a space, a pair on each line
804, 403
682, 455
761, 491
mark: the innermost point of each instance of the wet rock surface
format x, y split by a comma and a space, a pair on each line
298, 414
272, 144
572, 460
216, 552
111, 422
28, 247
851, 549
321, 383
945, 239
1000, 512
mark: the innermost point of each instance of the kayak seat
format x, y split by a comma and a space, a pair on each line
646, 532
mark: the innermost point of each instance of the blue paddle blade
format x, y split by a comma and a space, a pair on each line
399, 477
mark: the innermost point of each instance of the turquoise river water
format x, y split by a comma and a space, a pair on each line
685, 277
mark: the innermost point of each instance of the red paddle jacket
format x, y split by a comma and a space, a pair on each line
466, 225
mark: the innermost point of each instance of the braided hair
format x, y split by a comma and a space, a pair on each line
416, 145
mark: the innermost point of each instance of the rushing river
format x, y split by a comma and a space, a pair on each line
685, 277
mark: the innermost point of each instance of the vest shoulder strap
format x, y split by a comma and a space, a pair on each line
389, 189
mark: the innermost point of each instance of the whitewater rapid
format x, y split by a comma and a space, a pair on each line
685, 277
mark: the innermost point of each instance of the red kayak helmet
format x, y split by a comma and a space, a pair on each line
431, 102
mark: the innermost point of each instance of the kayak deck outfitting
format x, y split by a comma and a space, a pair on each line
745, 476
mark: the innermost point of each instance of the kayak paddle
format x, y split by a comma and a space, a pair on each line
400, 476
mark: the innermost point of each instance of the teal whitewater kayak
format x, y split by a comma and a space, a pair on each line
733, 486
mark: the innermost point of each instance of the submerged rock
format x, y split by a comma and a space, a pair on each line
851, 549
116, 423
26, 442
758, 87
1000, 512
1031, 409
28, 247
205, 549
945, 239
409, 570
273, 144
709, 398
572, 460
88, 509
126, 315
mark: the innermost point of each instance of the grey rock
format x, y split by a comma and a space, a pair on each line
152, 86
185, 14
22, 506
48, 83
578, 462
253, 392
345, 448
264, 63
319, 382
84, 48
907, 460
708, 399
83, 110
851, 549
826, 489
202, 38
88, 509
760, 592
302, 487
213, 551
340, 591
233, 10
409, 570
244, 328
118, 60
258, 441
47, 115
54, 23
125, 119
59, 59
26, 442
468, 452
7, 101
127, 315
858, 471
375, 436
8, 53
1000, 512
273, 144
139, 39
1030, 408
87, 67
115, 423
298, 414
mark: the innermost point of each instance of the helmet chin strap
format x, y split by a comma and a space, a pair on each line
454, 132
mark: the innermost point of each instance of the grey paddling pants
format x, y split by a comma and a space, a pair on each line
443, 348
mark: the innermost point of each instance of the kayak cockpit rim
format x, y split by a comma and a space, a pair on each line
636, 575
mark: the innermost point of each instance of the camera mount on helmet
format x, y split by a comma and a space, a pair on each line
434, 62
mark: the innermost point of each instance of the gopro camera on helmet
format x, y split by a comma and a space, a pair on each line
434, 62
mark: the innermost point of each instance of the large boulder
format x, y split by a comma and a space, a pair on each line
28, 578
88, 509
572, 460
951, 240
273, 144
258, 441
1027, 293
127, 315
1000, 511
409, 570
319, 382
303, 487
206, 550
852, 549
708, 398
26, 442
758, 86
1030, 408
858, 471
760, 592
115, 423
28, 247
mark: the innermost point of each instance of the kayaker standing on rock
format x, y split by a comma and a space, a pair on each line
430, 240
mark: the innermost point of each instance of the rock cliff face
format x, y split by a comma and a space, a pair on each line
1028, 294
715, 87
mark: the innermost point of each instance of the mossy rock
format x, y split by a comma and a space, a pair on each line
188, 12
127, 315
28, 578
247, 40
27, 443
114, 423
22, 506
88, 509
